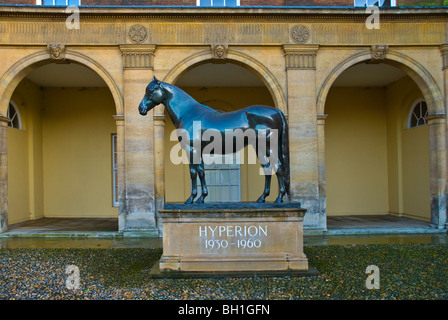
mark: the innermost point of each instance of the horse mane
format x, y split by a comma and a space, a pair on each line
178, 93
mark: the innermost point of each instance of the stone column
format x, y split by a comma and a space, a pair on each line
137, 214
438, 163
439, 129
3, 174
303, 132
321, 118
119, 121
159, 158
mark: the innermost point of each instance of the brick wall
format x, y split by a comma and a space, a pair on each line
411, 3
334, 3
102, 2
138, 2
319, 3
17, 1
262, 2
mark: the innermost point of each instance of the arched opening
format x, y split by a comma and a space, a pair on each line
376, 164
224, 87
60, 165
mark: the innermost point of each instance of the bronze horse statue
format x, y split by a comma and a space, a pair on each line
184, 111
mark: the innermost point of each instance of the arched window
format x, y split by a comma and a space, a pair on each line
14, 116
418, 115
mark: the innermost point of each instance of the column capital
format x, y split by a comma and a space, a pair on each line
321, 118
4, 121
138, 56
300, 56
119, 119
444, 51
436, 118
159, 119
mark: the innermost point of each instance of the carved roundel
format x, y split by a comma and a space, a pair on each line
137, 33
300, 34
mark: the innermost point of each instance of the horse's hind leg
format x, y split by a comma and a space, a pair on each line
267, 183
264, 160
194, 183
281, 186
201, 174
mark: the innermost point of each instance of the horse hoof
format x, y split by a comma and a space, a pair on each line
260, 200
200, 201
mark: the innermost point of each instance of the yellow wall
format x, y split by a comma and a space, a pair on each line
416, 192
409, 176
59, 164
177, 177
356, 154
18, 181
374, 163
77, 129
25, 174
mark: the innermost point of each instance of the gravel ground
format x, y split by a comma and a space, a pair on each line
407, 271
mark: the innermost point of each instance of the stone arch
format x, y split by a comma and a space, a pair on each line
8, 84
436, 120
12, 77
238, 58
416, 71
202, 57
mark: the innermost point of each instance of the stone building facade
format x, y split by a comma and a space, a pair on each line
366, 106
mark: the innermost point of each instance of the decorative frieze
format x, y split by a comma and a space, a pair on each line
138, 56
219, 53
378, 53
300, 56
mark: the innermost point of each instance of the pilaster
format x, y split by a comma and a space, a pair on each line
444, 58
159, 167
137, 205
321, 120
300, 60
3, 174
438, 169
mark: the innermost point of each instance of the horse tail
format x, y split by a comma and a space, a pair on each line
284, 151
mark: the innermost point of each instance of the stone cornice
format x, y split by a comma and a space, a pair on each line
269, 26
201, 13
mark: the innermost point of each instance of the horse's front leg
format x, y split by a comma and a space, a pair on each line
194, 183
201, 174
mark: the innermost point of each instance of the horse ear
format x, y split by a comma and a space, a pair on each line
156, 80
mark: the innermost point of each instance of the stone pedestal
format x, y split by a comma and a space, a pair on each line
232, 238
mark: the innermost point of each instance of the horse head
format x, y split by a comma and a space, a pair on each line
154, 95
